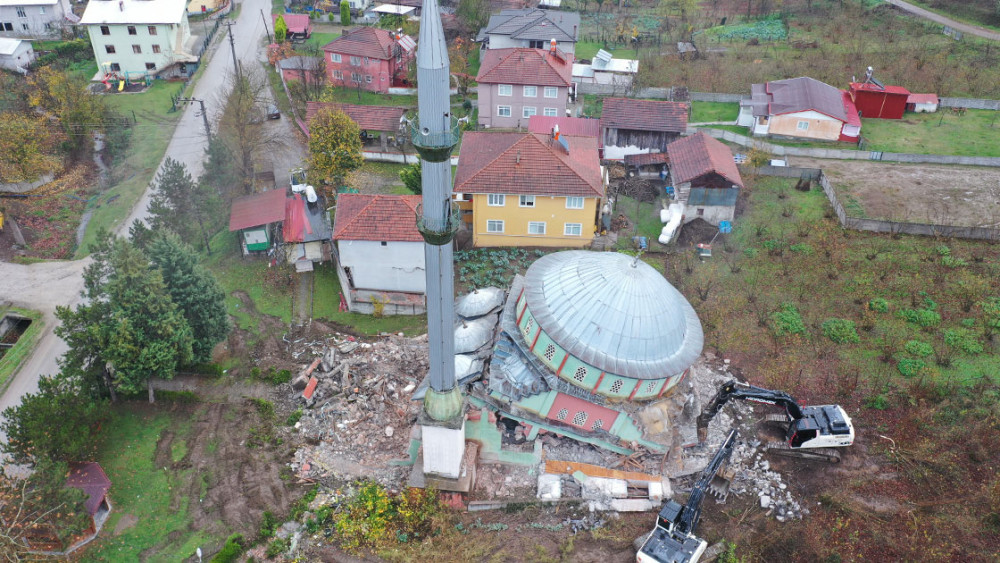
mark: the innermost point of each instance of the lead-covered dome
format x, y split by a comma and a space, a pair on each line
613, 312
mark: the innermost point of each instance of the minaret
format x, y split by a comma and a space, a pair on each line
434, 134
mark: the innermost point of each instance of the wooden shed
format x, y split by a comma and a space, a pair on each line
630, 126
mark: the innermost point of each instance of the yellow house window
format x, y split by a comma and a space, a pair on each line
495, 200
536, 227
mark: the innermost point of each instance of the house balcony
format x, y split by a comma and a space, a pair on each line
434, 146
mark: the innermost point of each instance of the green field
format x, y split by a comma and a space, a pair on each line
587, 50
318, 40
152, 131
713, 111
977, 133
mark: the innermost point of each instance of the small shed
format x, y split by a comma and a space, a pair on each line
922, 103
90, 478
306, 232
300, 67
375, 122
647, 165
705, 178
299, 25
15, 54
878, 101
256, 217
630, 126
395, 10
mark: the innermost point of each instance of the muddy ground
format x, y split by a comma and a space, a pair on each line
914, 193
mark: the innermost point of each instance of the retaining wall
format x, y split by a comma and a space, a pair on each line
21, 187
971, 103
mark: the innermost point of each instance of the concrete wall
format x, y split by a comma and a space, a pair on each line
710, 213
548, 209
397, 266
847, 154
21, 187
661, 93
490, 100
39, 21
971, 103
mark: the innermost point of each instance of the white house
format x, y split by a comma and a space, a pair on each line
135, 38
532, 28
34, 18
800, 108
15, 54
380, 253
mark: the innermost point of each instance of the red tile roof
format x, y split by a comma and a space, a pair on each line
377, 217
644, 115
296, 224
91, 479
368, 118
307, 393
371, 42
567, 125
868, 87
922, 99
850, 110
525, 66
257, 209
529, 164
646, 158
698, 155
297, 23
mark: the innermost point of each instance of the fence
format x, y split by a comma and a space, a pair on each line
847, 154
659, 93
878, 225
971, 103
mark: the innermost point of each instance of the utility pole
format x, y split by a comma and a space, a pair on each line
232, 47
265, 27
204, 115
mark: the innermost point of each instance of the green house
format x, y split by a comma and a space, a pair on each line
258, 218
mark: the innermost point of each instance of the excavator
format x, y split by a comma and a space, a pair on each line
812, 432
673, 539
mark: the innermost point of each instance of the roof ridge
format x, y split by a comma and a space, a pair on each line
558, 157
490, 163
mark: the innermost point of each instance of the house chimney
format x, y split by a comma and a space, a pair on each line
555, 132
552, 46
517, 159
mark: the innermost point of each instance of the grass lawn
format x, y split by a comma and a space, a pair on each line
284, 104
249, 275
977, 133
150, 137
587, 50
11, 360
141, 490
318, 40
645, 217
366, 98
236, 273
326, 302
713, 111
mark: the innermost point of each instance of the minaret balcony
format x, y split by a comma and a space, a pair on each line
434, 146
439, 232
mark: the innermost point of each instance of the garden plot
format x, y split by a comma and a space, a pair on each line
915, 193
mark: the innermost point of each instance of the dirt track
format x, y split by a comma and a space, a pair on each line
917, 193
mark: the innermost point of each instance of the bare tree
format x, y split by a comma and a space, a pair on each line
242, 128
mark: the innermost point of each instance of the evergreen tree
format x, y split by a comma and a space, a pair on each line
280, 30
195, 292
181, 205
128, 331
345, 13
411, 177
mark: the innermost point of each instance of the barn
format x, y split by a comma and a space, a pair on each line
630, 126
879, 102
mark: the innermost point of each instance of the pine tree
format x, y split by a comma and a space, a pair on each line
195, 292
181, 205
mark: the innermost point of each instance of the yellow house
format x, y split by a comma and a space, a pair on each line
529, 189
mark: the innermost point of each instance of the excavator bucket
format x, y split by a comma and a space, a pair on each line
719, 486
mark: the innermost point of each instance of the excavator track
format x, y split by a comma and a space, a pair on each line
829, 455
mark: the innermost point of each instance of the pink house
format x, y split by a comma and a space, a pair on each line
371, 57
517, 83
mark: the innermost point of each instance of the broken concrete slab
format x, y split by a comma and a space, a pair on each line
300, 382
549, 486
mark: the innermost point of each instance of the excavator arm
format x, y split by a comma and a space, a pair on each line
692, 510
736, 390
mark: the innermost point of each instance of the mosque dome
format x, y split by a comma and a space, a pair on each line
613, 312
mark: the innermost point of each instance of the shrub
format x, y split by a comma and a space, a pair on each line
264, 407
277, 547
918, 348
921, 317
910, 366
878, 402
952, 262
268, 525
751, 252
878, 305
840, 331
372, 518
787, 321
231, 552
277, 377
294, 417
802, 248
963, 339
942, 250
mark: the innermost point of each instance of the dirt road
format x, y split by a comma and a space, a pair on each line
963, 27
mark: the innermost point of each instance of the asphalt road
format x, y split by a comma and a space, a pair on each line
43, 286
